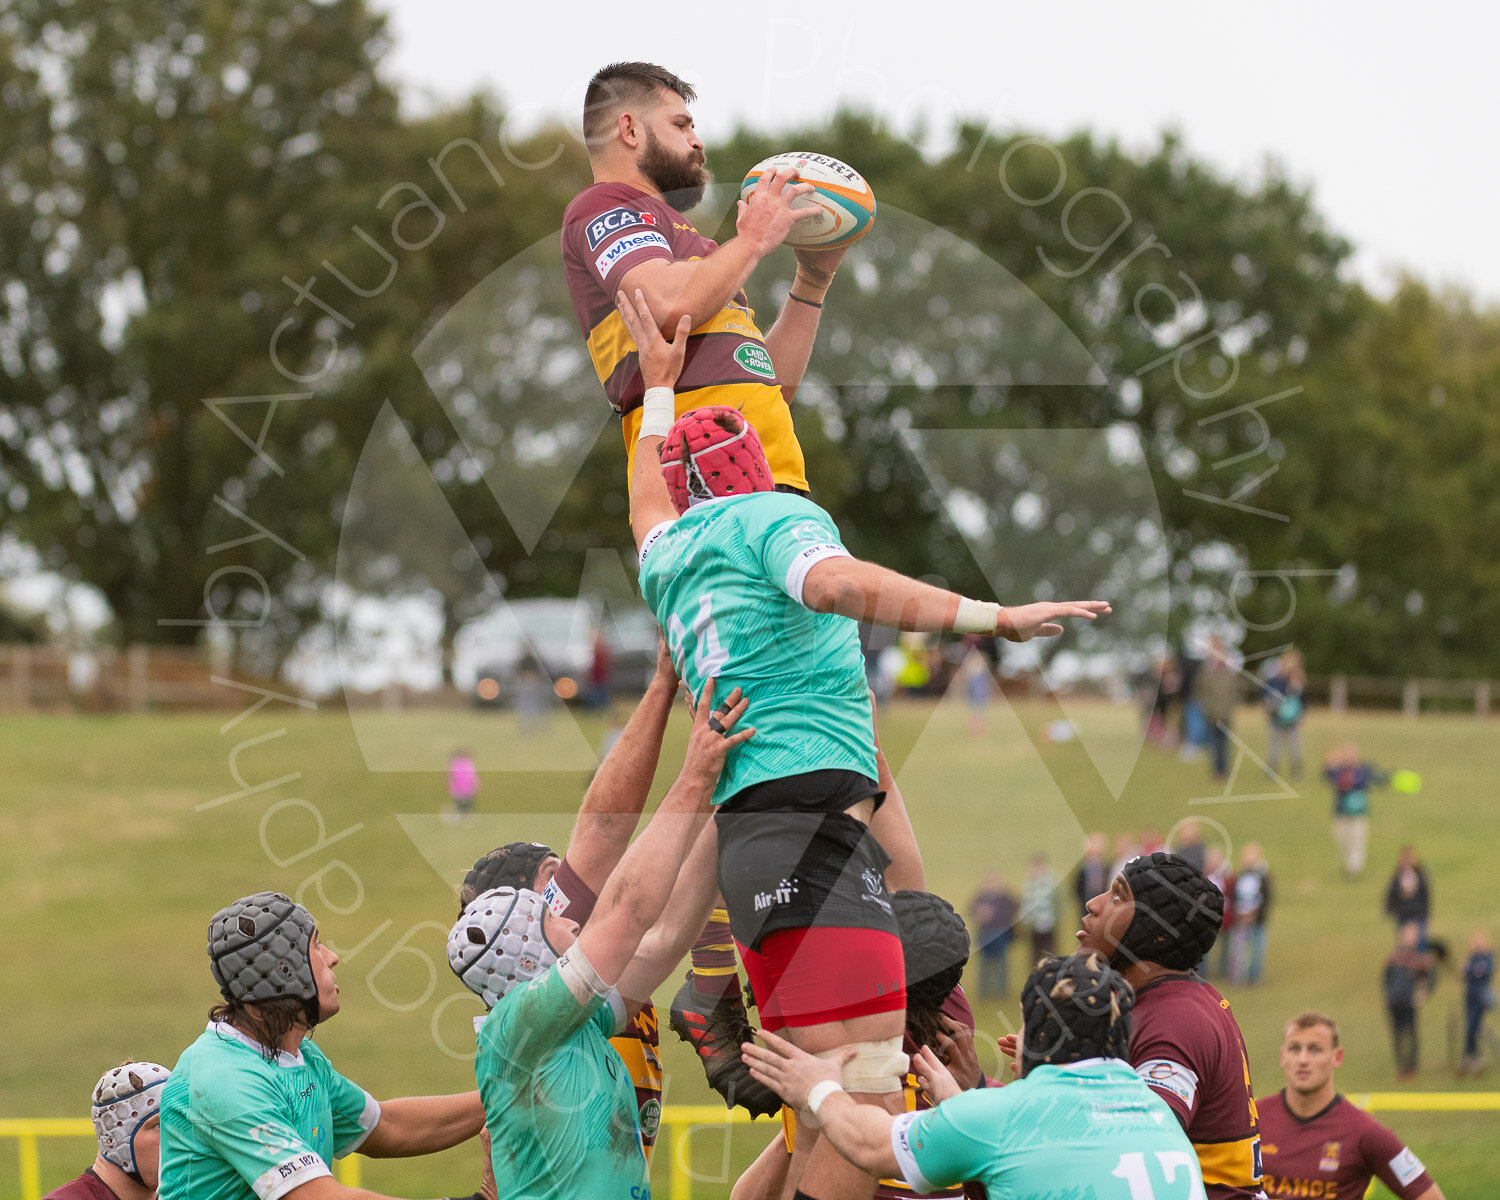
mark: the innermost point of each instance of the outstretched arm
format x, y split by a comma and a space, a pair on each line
661, 364
612, 806
415, 1125
680, 924
637, 890
869, 592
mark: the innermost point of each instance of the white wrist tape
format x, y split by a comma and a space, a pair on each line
658, 412
820, 1092
976, 616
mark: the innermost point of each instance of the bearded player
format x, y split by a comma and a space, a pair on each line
754, 587
1318, 1144
628, 232
1156, 922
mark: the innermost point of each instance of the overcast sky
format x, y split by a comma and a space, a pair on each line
1391, 112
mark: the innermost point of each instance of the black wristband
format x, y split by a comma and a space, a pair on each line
800, 300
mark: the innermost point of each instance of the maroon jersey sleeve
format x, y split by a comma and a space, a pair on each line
1166, 1054
1388, 1157
610, 228
568, 896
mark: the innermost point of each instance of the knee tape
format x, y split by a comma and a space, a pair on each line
876, 1066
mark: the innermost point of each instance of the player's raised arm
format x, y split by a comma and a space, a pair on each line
867, 591
661, 364
637, 891
699, 288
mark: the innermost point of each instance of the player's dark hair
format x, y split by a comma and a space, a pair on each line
1311, 1020
1074, 1008
621, 84
514, 864
267, 1021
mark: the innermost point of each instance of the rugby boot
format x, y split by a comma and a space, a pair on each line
716, 1027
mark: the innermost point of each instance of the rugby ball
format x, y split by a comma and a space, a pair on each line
846, 201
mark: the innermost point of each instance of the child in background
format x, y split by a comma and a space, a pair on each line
463, 782
1479, 998
1351, 780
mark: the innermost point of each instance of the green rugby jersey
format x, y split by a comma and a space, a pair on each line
558, 1100
725, 582
236, 1127
1089, 1130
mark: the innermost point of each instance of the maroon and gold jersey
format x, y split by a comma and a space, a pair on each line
639, 1044
1331, 1156
610, 228
1187, 1045
956, 1007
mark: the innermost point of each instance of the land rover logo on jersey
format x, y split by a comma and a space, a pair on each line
650, 1117
753, 357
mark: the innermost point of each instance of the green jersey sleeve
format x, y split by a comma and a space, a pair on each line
531, 1023
245, 1124
789, 539
949, 1144
355, 1111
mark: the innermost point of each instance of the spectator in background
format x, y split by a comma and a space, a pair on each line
463, 782
1127, 846
601, 667
1217, 690
1093, 874
1285, 700
994, 911
979, 685
127, 1123
1252, 903
1192, 731
915, 673
1407, 981
1408, 899
1189, 844
1039, 906
1479, 998
1217, 868
1351, 780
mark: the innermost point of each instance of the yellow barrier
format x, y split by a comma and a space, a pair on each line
28, 1132
679, 1123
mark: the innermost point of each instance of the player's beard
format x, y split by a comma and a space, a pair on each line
681, 181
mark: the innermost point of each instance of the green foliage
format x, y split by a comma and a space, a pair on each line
210, 201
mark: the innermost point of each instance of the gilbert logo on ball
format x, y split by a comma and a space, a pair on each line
846, 200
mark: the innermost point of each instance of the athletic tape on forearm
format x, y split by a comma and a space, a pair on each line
658, 411
820, 1092
976, 616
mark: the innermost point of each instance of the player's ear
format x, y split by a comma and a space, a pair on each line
1338, 1058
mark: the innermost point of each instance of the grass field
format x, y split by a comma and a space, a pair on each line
113, 856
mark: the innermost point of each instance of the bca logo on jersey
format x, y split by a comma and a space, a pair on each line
615, 220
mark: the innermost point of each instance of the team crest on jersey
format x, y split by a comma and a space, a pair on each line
874, 883
1330, 1159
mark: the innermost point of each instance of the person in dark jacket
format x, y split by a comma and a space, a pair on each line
1407, 981
1408, 897
1479, 998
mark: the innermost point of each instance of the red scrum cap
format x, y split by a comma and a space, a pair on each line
713, 451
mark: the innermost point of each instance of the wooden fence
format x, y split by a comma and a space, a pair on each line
136, 679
